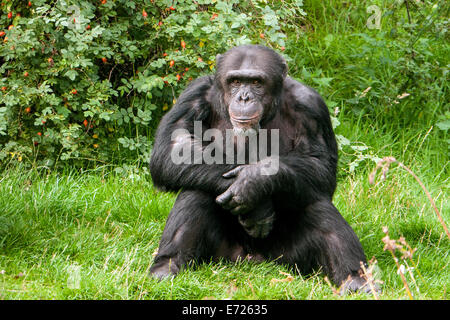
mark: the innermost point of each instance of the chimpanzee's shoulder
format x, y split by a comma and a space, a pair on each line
192, 102
301, 97
197, 88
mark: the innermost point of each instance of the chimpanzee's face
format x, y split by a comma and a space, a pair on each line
248, 79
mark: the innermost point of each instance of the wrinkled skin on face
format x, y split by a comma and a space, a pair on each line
246, 90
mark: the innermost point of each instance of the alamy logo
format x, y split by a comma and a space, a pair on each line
237, 147
374, 20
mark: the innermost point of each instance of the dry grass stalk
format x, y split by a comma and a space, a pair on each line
384, 164
407, 252
333, 288
342, 289
289, 278
368, 275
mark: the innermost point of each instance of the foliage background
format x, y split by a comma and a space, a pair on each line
87, 81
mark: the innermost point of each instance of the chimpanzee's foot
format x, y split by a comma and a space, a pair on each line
358, 285
164, 269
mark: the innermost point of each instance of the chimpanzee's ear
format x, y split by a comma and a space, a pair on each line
285, 68
218, 58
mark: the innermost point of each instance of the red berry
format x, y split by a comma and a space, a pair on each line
186, 69
144, 14
10, 27
160, 23
104, 60
283, 48
215, 15
29, 3
85, 122
2, 33
74, 91
200, 59
183, 44
171, 63
172, 8
26, 74
4, 88
27, 109
164, 54
9, 15
261, 35
178, 77
39, 134
104, 1
88, 27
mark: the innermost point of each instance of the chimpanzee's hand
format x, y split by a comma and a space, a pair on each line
259, 222
246, 191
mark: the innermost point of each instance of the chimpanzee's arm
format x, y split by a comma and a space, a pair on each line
308, 172
167, 175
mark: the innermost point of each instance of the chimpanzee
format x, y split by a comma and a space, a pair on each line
230, 209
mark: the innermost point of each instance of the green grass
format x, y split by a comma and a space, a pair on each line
109, 226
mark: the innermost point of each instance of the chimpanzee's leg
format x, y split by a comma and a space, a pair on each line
323, 238
195, 230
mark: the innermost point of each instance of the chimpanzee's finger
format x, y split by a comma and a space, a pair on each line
225, 197
233, 172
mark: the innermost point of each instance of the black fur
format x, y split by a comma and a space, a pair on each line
288, 216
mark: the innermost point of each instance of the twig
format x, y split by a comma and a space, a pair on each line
407, 11
110, 72
409, 22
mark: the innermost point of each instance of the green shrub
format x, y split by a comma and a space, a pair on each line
84, 82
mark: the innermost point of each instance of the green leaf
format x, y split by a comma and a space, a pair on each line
71, 74
444, 125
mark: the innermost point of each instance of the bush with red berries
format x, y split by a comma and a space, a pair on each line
86, 84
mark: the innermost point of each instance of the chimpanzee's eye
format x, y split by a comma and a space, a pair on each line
236, 82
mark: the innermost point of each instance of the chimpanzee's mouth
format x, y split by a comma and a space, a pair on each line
244, 120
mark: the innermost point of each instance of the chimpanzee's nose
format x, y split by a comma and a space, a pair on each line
245, 96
